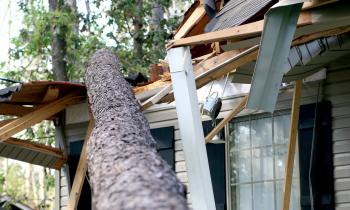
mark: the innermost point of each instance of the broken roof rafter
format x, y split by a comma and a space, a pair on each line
38, 115
32, 103
238, 32
235, 33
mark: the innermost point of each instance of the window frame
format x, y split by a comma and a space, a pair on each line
249, 118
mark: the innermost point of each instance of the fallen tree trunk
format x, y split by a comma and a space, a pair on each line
125, 169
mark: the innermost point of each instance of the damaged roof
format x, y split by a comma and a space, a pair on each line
22, 100
237, 12
34, 92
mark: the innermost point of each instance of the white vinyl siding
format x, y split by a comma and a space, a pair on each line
337, 90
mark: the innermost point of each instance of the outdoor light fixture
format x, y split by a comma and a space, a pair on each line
212, 104
217, 140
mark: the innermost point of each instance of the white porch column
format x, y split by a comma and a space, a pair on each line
191, 128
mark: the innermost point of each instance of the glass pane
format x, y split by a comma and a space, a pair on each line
240, 166
262, 164
240, 136
281, 129
263, 196
241, 196
294, 201
261, 132
280, 159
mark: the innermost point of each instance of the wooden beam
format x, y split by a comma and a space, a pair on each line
4, 122
210, 63
293, 131
195, 17
226, 120
79, 177
204, 75
317, 35
297, 39
28, 144
203, 57
227, 66
51, 94
14, 110
317, 3
200, 68
157, 97
38, 115
238, 32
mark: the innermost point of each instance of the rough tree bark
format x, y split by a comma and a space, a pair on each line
138, 33
125, 170
58, 47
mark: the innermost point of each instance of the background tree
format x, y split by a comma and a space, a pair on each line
141, 28
56, 39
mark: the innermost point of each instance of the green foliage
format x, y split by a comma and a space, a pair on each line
2, 182
30, 58
31, 50
14, 181
122, 15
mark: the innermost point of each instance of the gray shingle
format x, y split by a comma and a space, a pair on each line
236, 12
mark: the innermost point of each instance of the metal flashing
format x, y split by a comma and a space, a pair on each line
279, 28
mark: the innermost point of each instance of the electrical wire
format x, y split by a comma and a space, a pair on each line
312, 149
223, 91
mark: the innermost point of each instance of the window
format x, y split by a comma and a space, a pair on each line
257, 149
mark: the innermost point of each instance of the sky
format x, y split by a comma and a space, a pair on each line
11, 22
8, 11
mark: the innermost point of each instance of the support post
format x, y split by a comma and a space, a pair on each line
79, 177
191, 128
293, 131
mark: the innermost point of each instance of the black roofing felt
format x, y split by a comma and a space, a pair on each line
236, 12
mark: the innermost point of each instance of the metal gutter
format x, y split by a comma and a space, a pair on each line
279, 28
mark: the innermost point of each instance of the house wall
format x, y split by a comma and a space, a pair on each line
335, 88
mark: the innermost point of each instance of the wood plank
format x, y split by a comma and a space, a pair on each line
80, 172
199, 69
238, 32
195, 17
309, 37
203, 57
36, 147
208, 64
51, 94
221, 69
38, 115
156, 98
4, 122
293, 131
317, 3
226, 120
14, 110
